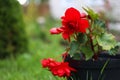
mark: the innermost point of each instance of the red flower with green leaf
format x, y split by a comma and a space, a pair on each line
86, 45
72, 22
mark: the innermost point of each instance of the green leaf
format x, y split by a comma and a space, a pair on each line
98, 27
86, 50
106, 41
114, 50
100, 23
104, 66
91, 13
73, 47
101, 76
118, 44
77, 56
81, 38
97, 31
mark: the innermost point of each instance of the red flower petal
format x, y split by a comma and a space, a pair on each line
83, 15
65, 35
45, 63
61, 69
72, 14
55, 31
84, 24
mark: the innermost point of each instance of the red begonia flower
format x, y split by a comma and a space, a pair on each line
49, 63
45, 62
60, 69
72, 22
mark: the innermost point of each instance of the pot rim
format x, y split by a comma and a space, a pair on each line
114, 62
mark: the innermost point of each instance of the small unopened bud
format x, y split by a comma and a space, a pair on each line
83, 15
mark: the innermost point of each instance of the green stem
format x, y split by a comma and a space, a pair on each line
91, 41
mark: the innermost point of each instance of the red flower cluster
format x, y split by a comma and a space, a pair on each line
60, 69
72, 22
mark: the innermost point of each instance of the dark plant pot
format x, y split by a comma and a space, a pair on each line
91, 70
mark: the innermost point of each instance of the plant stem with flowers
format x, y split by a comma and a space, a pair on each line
87, 36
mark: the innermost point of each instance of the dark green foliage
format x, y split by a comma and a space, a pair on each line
12, 30
74, 46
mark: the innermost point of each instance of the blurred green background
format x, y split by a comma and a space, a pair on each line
26, 65
20, 57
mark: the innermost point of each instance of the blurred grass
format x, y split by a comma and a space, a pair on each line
27, 66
